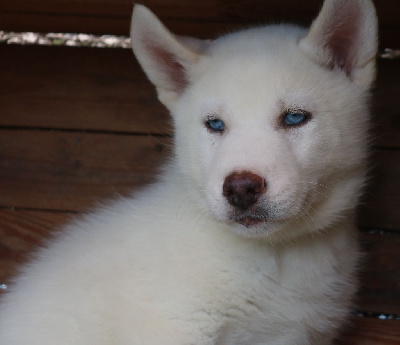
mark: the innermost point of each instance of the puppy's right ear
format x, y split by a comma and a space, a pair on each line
168, 60
344, 37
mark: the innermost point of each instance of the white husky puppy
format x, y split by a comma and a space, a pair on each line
249, 237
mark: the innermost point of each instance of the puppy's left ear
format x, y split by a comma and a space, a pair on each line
344, 36
168, 60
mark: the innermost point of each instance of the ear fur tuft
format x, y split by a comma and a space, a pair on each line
344, 37
166, 59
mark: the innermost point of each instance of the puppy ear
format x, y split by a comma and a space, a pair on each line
166, 59
344, 37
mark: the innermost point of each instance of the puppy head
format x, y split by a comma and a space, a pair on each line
270, 123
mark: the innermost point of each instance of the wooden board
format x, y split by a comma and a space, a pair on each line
23, 232
71, 170
368, 331
214, 16
381, 202
105, 90
386, 105
79, 88
380, 274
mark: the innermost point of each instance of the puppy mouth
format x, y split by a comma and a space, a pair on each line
250, 221
256, 217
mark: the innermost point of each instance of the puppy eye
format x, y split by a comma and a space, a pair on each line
295, 118
215, 125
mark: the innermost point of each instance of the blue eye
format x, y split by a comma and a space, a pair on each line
295, 118
215, 125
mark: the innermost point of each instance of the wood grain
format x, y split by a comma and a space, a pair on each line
71, 171
381, 202
22, 233
104, 89
368, 331
386, 104
79, 88
103, 16
380, 274
207, 10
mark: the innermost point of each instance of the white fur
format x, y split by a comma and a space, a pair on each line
170, 266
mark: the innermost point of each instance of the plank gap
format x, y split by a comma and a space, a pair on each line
386, 148
82, 130
376, 315
378, 231
16, 208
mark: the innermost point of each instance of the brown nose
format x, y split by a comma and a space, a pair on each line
243, 189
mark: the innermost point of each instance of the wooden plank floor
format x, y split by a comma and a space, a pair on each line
82, 125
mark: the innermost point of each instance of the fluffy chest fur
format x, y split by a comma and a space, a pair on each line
217, 288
